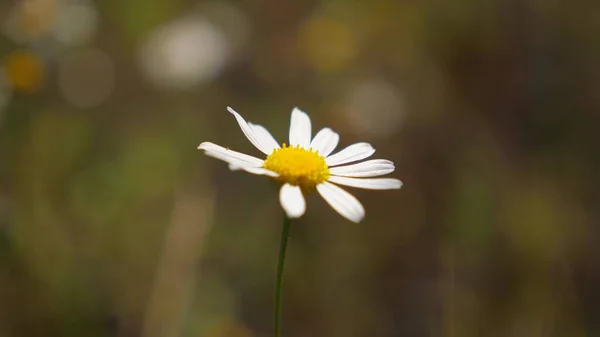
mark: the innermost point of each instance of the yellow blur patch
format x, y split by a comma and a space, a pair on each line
25, 71
328, 45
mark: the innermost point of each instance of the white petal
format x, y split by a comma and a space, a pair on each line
325, 141
369, 168
342, 202
372, 184
265, 137
351, 153
230, 156
250, 133
254, 170
231, 160
292, 201
300, 129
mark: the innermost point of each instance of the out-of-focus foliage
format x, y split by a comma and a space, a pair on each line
113, 224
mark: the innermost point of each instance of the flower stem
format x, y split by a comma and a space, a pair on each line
285, 233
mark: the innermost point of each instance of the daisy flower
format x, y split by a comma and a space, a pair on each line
306, 164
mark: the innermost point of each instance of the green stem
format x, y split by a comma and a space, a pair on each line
285, 233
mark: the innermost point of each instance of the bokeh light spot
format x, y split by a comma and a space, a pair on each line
77, 23
375, 107
36, 17
184, 53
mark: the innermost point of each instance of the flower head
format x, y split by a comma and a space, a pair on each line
306, 164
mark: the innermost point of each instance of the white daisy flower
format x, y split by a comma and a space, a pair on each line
307, 164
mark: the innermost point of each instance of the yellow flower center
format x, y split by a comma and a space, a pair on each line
298, 166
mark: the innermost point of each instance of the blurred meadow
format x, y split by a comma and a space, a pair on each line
112, 223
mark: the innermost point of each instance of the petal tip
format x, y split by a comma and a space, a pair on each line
299, 112
293, 215
395, 184
292, 201
356, 218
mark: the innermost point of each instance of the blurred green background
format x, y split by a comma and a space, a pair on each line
113, 224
